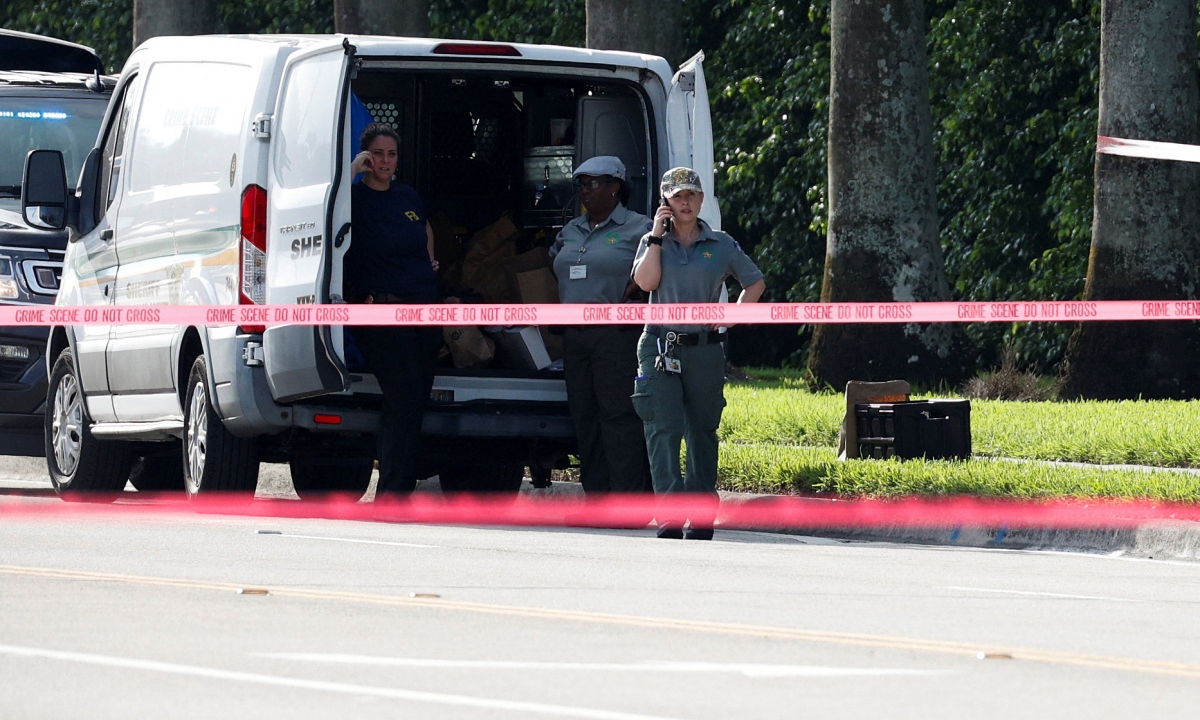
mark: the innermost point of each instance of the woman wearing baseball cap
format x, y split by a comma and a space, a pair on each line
593, 258
680, 386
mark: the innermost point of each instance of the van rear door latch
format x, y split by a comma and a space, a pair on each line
262, 125
253, 354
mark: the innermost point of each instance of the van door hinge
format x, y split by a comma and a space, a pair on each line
687, 81
262, 125
253, 354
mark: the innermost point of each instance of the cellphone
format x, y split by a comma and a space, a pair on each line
667, 222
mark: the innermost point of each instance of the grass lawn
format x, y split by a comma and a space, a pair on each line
783, 469
777, 436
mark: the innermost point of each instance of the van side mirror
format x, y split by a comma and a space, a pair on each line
44, 190
90, 207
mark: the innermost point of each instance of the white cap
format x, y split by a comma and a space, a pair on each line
601, 165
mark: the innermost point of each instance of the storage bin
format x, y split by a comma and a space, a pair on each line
934, 429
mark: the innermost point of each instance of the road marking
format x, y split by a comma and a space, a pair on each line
323, 685
1039, 594
754, 670
1193, 564
346, 540
1156, 667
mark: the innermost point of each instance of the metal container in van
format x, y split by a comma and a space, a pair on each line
221, 177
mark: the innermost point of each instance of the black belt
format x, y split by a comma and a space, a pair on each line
621, 328
712, 337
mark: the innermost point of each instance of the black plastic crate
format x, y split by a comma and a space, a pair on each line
934, 429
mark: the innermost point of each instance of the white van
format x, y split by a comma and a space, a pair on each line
222, 177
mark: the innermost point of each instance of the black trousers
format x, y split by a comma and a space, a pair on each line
599, 364
403, 361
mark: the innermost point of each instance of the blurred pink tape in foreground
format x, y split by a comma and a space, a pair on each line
633, 511
714, 314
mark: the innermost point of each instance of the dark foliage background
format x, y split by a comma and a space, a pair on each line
1014, 93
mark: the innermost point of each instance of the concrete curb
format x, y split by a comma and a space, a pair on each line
1161, 540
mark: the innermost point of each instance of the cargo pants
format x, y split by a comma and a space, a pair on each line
677, 406
598, 365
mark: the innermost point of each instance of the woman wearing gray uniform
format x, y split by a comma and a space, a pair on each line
680, 386
593, 257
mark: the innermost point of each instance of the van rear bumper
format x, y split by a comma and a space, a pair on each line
242, 397
546, 421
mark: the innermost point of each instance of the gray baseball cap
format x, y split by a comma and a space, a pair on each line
601, 165
678, 179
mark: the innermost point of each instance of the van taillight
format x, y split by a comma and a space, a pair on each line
254, 251
476, 49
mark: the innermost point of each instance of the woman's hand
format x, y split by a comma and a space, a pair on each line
750, 294
661, 216
362, 163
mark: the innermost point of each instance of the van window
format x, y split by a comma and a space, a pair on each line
191, 123
111, 158
308, 115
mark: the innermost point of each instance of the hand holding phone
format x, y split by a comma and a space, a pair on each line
667, 224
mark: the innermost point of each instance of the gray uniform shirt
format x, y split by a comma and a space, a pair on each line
695, 274
602, 258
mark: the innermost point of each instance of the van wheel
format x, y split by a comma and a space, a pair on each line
82, 468
158, 473
483, 479
214, 459
314, 474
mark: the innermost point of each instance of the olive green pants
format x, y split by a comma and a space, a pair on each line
677, 406
599, 364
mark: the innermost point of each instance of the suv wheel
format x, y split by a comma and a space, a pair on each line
214, 460
81, 467
316, 474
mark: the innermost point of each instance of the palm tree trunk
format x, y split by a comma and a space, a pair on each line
152, 18
405, 18
882, 243
1145, 224
654, 27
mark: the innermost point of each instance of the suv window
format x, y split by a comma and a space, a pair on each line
51, 121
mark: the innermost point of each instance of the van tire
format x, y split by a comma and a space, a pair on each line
483, 479
214, 459
314, 474
158, 473
82, 468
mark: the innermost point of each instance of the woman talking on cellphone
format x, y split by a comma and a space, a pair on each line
680, 386
390, 260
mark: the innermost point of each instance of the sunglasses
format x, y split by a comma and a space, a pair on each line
590, 184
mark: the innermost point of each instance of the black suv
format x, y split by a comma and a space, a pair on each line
53, 96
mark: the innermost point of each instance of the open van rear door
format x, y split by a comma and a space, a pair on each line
689, 131
308, 213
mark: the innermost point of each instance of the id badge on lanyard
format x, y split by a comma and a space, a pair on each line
666, 362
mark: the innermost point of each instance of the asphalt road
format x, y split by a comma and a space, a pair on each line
143, 618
